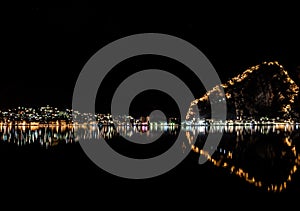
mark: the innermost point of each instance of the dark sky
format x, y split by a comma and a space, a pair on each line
46, 48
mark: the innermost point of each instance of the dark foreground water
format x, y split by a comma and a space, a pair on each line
252, 161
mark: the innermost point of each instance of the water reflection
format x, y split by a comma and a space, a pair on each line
265, 156
44, 135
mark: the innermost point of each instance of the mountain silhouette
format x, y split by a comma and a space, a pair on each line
262, 91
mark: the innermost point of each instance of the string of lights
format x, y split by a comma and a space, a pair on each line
293, 89
240, 172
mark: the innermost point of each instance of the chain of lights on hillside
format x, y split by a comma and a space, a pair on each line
239, 78
279, 187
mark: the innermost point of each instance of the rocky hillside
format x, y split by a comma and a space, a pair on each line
264, 90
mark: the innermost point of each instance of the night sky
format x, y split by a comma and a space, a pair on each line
45, 48
43, 52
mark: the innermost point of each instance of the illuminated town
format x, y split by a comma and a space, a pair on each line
198, 106
286, 103
50, 126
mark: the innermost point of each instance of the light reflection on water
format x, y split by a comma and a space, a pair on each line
265, 156
44, 135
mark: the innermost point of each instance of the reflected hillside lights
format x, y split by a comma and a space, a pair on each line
228, 155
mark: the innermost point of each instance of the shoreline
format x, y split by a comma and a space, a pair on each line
147, 125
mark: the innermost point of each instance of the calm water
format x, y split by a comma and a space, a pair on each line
249, 159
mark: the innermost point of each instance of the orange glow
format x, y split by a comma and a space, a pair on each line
245, 175
294, 89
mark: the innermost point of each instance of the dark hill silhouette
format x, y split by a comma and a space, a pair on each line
263, 90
